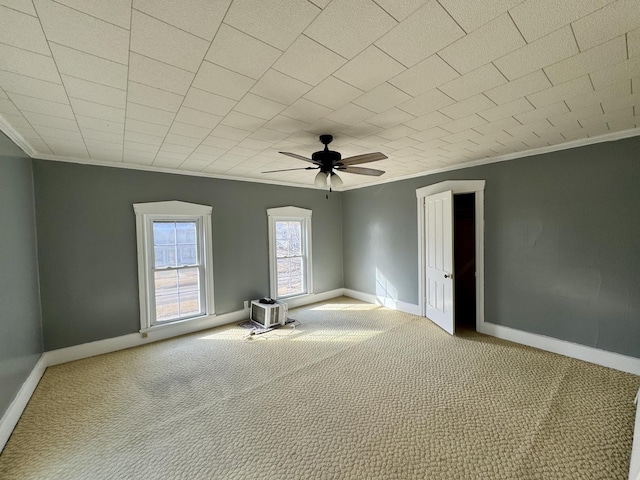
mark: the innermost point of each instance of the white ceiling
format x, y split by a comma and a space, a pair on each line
219, 87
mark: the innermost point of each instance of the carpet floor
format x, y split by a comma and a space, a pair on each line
354, 391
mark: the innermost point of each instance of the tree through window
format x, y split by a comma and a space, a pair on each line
290, 251
289, 258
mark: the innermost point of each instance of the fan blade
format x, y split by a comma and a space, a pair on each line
299, 157
289, 169
364, 158
361, 171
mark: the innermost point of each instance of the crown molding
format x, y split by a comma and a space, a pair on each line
151, 168
607, 137
29, 150
16, 138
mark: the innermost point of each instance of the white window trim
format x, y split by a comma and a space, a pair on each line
146, 213
283, 214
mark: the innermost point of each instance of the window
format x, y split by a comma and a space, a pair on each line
175, 271
290, 252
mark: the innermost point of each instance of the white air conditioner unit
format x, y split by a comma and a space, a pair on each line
268, 315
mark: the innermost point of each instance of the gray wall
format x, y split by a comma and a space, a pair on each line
20, 326
562, 242
87, 243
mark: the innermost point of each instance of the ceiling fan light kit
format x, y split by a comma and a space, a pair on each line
328, 160
335, 180
321, 180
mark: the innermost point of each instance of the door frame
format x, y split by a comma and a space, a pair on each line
457, 187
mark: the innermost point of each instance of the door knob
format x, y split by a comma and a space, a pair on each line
448, 275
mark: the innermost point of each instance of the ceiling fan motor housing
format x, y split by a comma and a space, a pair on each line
326, 158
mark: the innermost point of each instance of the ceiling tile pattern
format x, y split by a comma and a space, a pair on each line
219, 88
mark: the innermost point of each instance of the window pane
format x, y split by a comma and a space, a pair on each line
295, 238
177, 293
187, 255
167, 307
188, 280
295, 266
282, 248
167, 304
189, 303
175, 244
165, 256
164, 233
166, 282
288, 238
186, 232
282, 230
290, 276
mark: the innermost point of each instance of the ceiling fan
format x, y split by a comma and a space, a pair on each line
327, 161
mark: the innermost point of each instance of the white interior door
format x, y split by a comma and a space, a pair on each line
439, 259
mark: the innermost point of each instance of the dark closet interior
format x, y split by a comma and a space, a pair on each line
464, 254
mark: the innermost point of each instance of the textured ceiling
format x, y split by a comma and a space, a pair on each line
219, 87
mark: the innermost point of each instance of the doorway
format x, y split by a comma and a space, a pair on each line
464, 260
471, 306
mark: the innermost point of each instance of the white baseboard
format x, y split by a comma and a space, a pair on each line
99, 347
384, 301
12, 414
597, 356
604, 358
314, 298
77, 352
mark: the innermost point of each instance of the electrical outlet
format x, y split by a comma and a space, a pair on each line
246, 304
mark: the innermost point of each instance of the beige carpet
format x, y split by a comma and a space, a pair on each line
354, 392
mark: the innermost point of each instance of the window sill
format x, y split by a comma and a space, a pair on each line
294, 297
177, 323
296, 300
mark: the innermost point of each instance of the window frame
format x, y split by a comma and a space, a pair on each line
171, 211
290, 214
